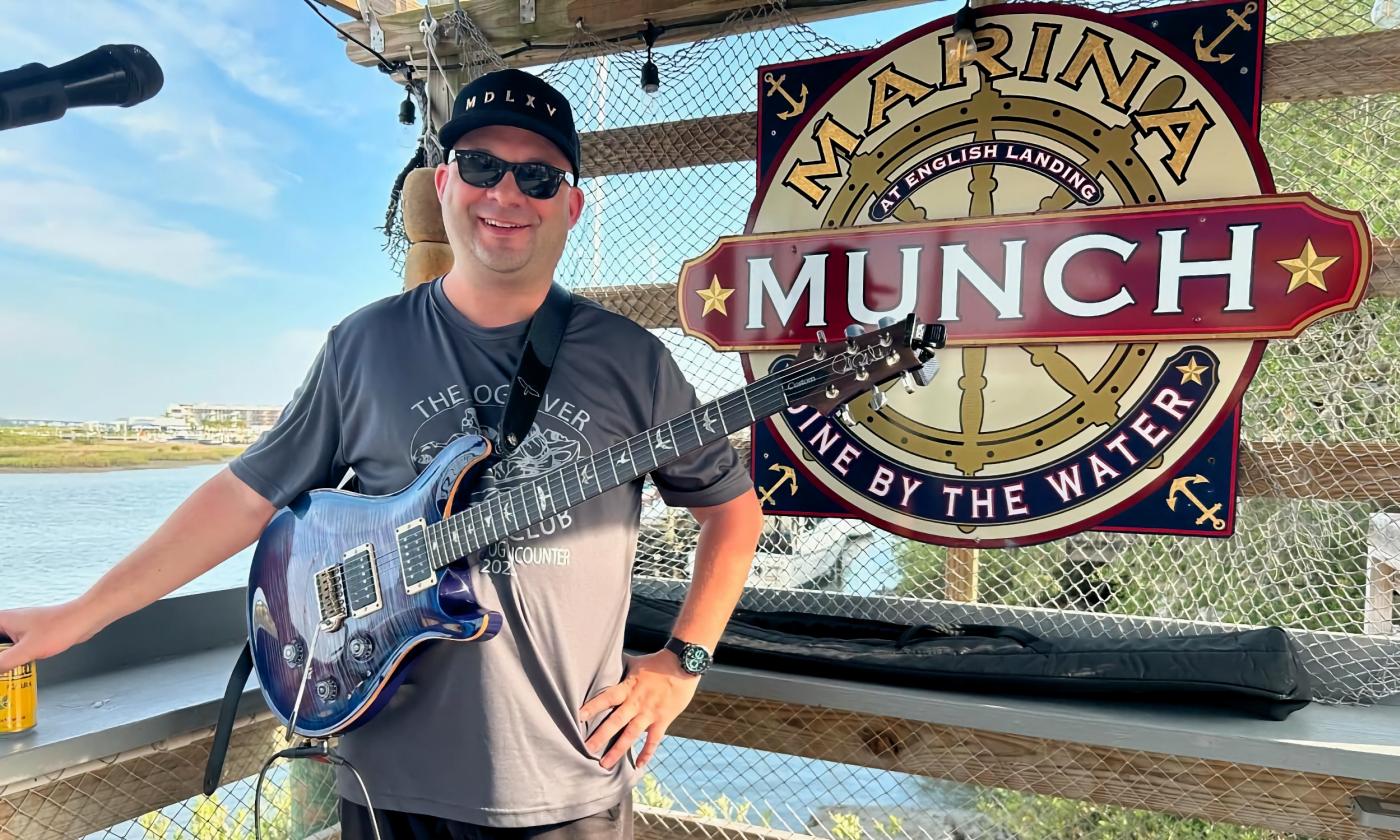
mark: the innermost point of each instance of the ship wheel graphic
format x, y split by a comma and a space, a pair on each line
1107, 153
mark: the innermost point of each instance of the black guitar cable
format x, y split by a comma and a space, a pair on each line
320, 752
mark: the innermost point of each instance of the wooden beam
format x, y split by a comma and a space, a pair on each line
1311, 804
1385, 268
112, 789
664, 824
670, 145
653, 305
355, 9
1336, 472
349, 8
1294, 71
1328, 68
555, 24
960, 576
703, 141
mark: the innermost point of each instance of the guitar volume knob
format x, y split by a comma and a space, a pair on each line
294, 654
361, 648
327, 689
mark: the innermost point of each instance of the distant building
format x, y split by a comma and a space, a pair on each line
229, 422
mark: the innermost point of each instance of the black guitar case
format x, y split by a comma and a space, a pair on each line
1253, 672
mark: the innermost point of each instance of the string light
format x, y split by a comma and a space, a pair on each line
964, 44
651, 77
407, 110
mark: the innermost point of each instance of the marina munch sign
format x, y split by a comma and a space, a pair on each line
1086, 208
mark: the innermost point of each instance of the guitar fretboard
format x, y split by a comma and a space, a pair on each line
536, 500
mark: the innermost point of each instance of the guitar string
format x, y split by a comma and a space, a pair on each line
767, 389
771, 386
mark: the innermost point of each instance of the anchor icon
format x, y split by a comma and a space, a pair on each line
775, 85
1206, 52
1181, 487
786, 475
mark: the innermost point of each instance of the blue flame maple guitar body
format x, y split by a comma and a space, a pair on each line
356, 666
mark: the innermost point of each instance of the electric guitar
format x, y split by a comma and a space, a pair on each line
344, 587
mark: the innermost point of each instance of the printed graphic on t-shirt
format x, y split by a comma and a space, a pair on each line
555, 438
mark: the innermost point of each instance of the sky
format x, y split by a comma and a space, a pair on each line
197, 246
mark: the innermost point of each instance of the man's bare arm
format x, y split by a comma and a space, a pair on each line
724, 553
219, 519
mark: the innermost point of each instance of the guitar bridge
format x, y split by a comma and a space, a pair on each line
330, 597
418, 572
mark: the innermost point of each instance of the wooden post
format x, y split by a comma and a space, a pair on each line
1382, 573
961, 575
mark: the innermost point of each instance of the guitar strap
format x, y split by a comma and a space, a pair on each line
223, 730
545, 334
542, 343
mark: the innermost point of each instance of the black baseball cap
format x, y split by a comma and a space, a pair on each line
516, 98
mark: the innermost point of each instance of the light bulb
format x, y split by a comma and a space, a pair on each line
964, 38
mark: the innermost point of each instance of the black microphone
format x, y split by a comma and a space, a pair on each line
112, 74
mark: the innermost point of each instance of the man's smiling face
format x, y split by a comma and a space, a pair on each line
499, 228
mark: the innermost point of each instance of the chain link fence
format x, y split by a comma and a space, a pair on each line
1310, 554
1305, 556
117, 791
1311, 545
298, 801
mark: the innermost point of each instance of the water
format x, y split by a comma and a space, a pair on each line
64, 530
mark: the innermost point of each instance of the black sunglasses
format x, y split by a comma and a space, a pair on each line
481, 169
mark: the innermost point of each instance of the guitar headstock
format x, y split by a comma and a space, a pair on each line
827, 374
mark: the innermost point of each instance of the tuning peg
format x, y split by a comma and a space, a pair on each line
820, 351
908, 382
877, 399
843, 415
853, 331
887, 321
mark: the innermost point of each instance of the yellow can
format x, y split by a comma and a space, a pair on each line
19, 698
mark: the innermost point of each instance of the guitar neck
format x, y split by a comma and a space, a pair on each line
536, 500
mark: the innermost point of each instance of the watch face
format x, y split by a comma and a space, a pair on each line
694, 659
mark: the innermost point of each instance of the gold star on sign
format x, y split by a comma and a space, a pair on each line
1191, 372
714, 297
1307, 269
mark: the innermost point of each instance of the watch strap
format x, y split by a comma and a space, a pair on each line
678, 646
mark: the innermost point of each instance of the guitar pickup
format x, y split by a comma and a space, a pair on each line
361, 580
330, 597
414, 559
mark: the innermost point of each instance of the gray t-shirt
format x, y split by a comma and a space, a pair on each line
488, 732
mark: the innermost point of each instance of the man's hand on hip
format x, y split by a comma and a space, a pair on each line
653, 693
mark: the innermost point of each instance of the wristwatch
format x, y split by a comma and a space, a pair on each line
694, 659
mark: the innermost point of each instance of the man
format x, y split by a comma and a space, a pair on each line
527, 734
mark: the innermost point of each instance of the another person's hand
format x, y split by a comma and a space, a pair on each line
653, 693
41, 632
